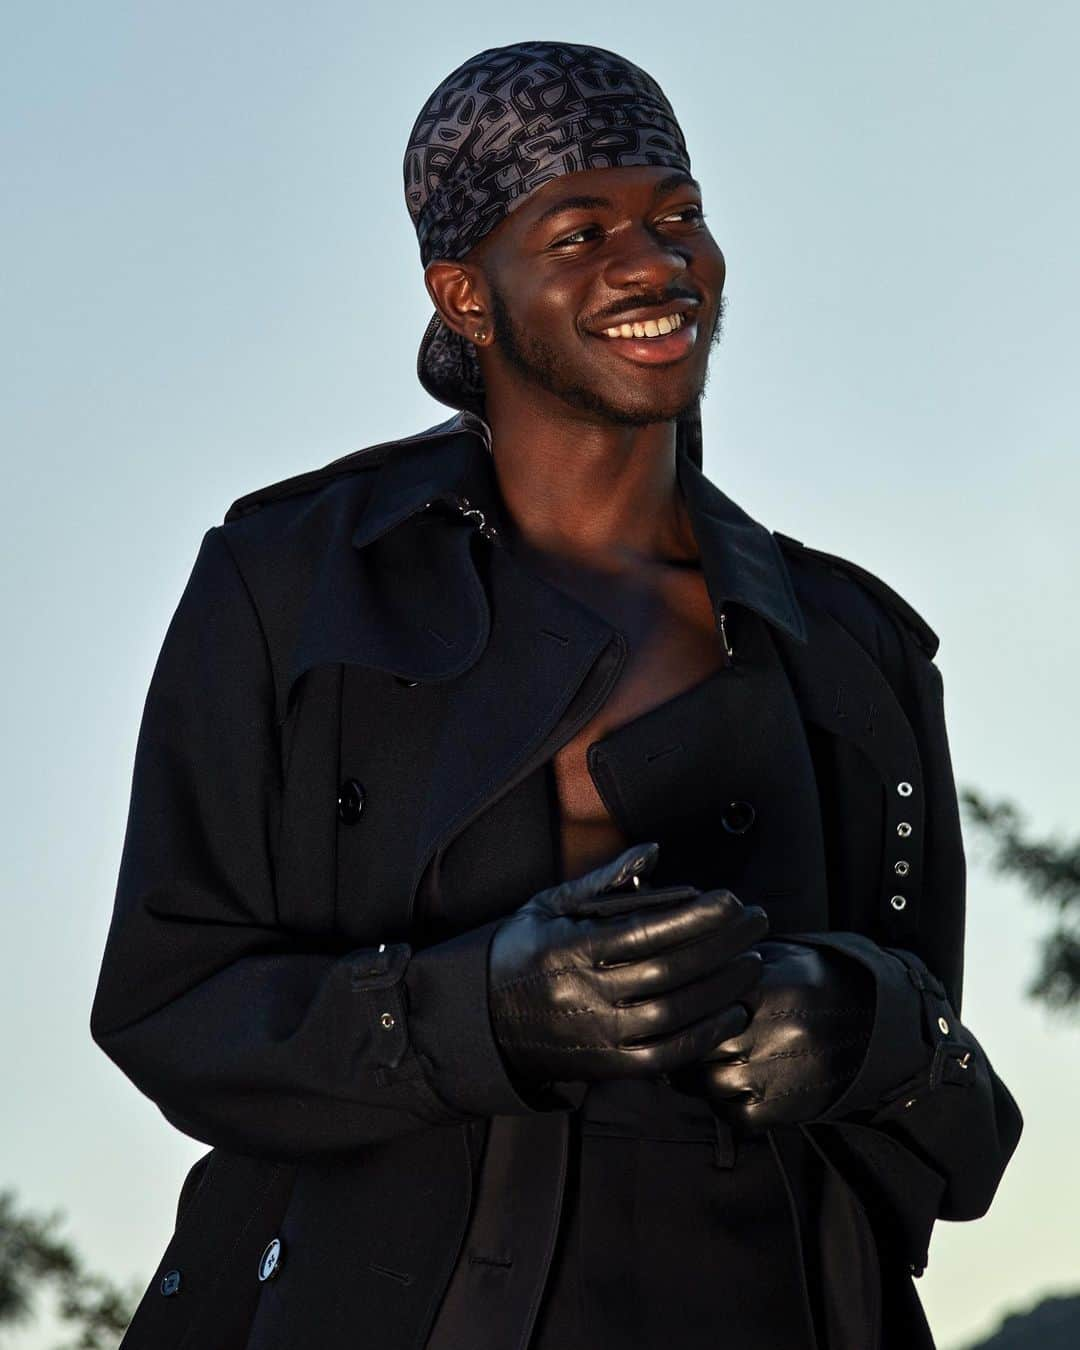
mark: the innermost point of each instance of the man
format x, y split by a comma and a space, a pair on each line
615, 1001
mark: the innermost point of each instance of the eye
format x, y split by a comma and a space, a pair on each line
696, 218
573, 238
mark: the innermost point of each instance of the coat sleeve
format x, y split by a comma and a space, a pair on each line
246, 1035
927, 1128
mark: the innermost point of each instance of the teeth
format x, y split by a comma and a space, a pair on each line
670, 323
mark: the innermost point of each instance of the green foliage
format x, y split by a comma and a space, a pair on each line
1050, 870
34, 1257
1053, 1324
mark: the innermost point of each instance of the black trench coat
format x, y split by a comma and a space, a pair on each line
355, 671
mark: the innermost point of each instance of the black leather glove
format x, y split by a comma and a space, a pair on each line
588, 985
812, 1012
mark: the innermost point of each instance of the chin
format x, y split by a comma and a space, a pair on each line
641, 412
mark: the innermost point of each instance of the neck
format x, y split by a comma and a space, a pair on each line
592, 492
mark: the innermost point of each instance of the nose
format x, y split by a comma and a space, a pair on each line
644, 260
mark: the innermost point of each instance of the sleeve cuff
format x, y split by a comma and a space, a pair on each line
450, 1029
897, 1050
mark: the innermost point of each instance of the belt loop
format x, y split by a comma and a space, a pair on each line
723, 1145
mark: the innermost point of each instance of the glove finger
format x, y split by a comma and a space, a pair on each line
731, 1051
711, 952
663, 997
680, 1051
635, 936
650, 1018
686, 1046
630, 902
637, 860
739, 1079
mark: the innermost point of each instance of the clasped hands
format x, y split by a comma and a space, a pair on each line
604, 977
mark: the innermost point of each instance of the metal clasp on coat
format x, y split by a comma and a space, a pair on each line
465, 506
728, 648
469, 511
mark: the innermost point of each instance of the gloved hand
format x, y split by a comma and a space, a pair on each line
812, 1012
631, 985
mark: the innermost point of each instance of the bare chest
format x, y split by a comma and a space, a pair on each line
674, 644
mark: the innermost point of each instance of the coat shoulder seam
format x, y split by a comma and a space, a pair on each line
912, 622
310, 480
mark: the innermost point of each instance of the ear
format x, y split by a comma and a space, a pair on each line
459, 292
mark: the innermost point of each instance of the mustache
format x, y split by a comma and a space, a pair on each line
609, 320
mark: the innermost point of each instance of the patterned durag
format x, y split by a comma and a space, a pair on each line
503, 123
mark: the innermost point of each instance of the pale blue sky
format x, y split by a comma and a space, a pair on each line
210, 282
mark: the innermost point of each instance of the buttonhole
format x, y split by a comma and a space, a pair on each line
667, 750
402, 1276
480, 1259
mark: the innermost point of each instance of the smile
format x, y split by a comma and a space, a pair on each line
656, 342
669, 323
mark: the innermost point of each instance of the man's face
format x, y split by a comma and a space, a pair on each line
591, 251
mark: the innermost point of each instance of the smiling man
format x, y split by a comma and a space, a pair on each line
543, 885
591, 313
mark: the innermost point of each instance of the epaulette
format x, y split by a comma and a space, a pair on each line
369, 457
307, 481
907, 614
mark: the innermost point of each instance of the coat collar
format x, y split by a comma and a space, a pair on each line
396, 588
741, 560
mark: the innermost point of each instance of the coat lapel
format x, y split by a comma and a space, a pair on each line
409, 587
404, 600
501, 712
740, 559
490, 655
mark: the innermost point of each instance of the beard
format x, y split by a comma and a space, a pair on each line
540, 364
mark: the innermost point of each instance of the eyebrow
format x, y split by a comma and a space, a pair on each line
587, 203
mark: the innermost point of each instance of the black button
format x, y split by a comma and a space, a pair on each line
737, 817
170, 1282
404, 679
350, 801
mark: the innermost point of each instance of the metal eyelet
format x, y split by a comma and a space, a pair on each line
898, 902
903, 829
901, 867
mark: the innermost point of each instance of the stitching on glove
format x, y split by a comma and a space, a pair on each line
796, 1054
816, 1087
817, 1012
556, 1045
538, 975
543, 1016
